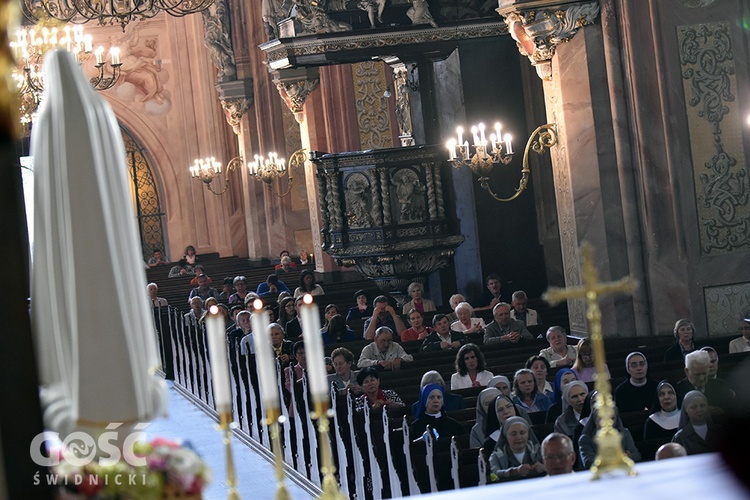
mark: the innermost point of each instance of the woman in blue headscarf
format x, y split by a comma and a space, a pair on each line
562, 378
431, 411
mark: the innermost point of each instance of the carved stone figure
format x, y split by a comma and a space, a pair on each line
315, 20
408, 194
357, 198
419, 13
218, 39
372, 7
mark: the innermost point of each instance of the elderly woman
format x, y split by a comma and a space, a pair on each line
502, 383
416, 292
525, 393
470, 370
196, 312
466, 324
240, 290
684, 333
563, 377
376, 398
539, 366
519, 457
451, 401
559, 353
344, 378
587, 442
453, 301
307, 284
431, 411
663, 424
501, 409
485, 398
584, 366
698, 433
574, 396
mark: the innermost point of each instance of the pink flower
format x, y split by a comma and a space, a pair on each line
160, 441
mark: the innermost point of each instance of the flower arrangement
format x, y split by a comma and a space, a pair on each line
170, 471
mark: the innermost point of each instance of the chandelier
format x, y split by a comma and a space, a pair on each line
29, 49
110, 12
264, 169
482, 156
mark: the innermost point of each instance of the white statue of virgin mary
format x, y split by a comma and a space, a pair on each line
94, 337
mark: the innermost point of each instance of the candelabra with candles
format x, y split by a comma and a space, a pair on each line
487, 154
269, 390
266, 169
319, 390
32, 44
208, 169
217, 349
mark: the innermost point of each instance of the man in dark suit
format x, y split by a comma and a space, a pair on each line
697, 366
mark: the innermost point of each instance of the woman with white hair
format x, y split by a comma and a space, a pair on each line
465, 323
455, 299
418, 302
684, 334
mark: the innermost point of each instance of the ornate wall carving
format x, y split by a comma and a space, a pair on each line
372, 108
715, 125
218, 39
723, 306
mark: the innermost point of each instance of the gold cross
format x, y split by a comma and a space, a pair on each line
609, 442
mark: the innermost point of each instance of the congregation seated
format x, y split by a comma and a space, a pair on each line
190, 256
196, 312
453, 302
329, 312
504, 328
451, 401
287, 311
383, 314
271, 287
663, 423
361, 310
485, 398
344, 378
520, 311
295, 370
502, 383
282, 348
637, 392
337, 331
697, 431
470, 370
587, 442
157, 259
181, 269
519, 457
540, 367
559, 353
442, 338
286, 266
697, 366
373, 396
492, 294
282, 254
293, 327
197, 271
227, 289
670, 450
418, 302
684, 334
713, 361
431, 412
307, 284
742, 343
584, 366
525, 393
204, 290
156, 302
416, 330
383, 352
573, 398
467, 324
500, 409
240, 290
304, 258
563, 377
558, 454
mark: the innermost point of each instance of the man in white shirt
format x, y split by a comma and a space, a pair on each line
742, 344
153, 289
383, 353
529, 317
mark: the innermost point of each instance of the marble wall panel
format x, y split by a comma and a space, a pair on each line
724, 304
373, 115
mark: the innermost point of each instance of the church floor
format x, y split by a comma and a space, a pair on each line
255, 474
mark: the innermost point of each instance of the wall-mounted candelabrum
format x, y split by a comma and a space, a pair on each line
482, 155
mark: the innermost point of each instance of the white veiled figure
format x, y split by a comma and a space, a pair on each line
95, 339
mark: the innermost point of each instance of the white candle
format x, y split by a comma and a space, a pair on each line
481, 133
465, 152
460, 132
493, 141
115, 52
217, 348
264, 357
316, 370
508, 148
498, 127
451, 145
99, 53
476, 137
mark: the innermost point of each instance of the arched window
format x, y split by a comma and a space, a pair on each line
145, 194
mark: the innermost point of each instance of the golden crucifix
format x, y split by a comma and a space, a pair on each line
609, 441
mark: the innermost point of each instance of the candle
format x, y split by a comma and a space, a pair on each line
264, 357
465, 152
498, 127
451, 145
476, 137
99, 53
217, 348
316, 370
493, 141
460, 132
508, 148
115, 52
481, 133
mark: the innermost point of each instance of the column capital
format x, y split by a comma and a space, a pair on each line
294, 86
236, 98
538, 26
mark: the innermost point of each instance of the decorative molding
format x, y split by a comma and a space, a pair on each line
234, 110
538, 32
236, 97
314, 19
373, 116
294, 93
403, 102
724, 305
218, 39
722, 189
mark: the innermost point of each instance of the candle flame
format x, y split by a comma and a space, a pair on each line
257, 304
213, 309
307, 299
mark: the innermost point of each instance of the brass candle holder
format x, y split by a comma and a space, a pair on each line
610, 455
225, 422
273, 415
330, 485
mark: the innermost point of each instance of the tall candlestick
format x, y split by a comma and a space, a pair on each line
263, 356
217, 346
316, 370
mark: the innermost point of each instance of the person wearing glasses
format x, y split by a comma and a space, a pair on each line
742, 344
558, 455
637, 392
